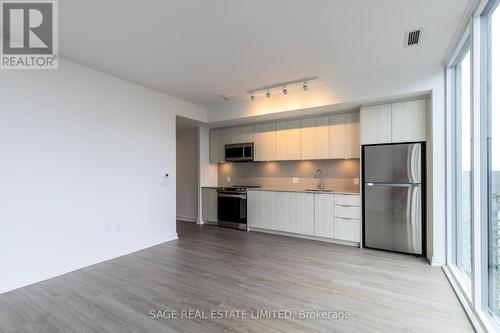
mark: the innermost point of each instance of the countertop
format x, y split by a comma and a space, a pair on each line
333, 191
280, 189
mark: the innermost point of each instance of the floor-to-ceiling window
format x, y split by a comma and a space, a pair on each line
492, 31
462, 163
473, 259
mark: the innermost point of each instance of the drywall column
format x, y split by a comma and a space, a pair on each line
207, 171
437, 178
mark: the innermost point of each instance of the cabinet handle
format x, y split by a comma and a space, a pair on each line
347, 218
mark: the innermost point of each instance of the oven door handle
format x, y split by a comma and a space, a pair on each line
239, 196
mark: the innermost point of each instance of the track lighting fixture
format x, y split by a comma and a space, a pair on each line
283, 85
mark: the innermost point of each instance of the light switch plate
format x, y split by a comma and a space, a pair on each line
228, 179
295, 180
356, 181
165, 181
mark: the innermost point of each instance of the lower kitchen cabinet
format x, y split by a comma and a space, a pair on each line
310, 214
209, 204
324, 215
285, 216
261, 209
281, 211
304, 214
348, 217
347, 229
349, 212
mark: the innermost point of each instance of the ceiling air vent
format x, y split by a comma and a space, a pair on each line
412, 37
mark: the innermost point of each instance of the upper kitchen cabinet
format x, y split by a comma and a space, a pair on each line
239, 135
409, 121
288, 140
217, 141
376, 124
320, 138
397, 122
315, 138
344, 135
265, 142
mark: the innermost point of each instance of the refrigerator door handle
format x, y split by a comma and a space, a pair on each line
392, 184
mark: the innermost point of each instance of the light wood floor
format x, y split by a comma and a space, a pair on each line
214, 268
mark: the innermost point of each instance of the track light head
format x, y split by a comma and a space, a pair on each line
281, 85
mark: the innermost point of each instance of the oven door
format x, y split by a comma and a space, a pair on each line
232, 210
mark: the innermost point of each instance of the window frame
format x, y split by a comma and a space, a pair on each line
485, 92
454, 113
476, 299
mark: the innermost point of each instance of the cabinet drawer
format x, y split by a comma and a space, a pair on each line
347, 229
348, 199
349, 212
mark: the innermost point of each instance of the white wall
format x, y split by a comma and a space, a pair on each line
82, 152
187, 175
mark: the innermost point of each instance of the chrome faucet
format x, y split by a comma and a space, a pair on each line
319, 173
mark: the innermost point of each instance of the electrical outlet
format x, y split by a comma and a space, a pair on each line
228, 179
295, 180
356, 181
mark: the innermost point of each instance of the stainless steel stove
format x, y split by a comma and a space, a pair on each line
232, 206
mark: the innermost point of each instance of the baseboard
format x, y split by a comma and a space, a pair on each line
210, 222
187, 218
437, 261
315, 238
6, 286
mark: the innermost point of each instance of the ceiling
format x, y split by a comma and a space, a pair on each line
198, 50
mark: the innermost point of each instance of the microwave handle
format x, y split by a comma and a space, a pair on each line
250, 150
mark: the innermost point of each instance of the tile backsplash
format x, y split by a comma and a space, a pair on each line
338, 174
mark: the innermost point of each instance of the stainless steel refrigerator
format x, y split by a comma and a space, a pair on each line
393, 190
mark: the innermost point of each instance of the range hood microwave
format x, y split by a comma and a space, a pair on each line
239, 152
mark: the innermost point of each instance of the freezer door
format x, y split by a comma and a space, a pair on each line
393, 217
399, 163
